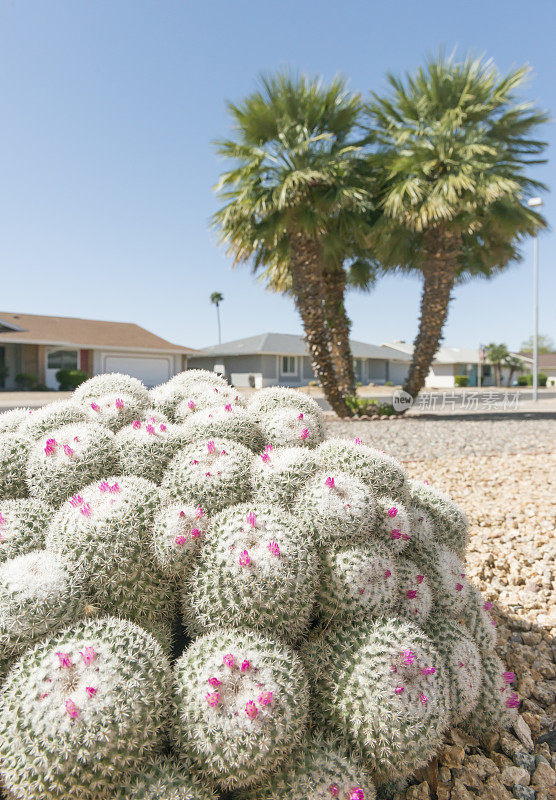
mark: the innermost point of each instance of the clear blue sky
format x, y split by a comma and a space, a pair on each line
108, 112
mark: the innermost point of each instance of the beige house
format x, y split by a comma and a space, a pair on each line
40, 346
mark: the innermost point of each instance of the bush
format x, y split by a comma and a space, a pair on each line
324, 636
25, 381
362, 406
527, 380
461, 380
70, 379
522, 380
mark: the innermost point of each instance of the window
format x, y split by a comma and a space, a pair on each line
487, 371
288, 365
62, 359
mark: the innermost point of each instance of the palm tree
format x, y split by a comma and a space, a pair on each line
497, 355
297, 197
514, 364
452, 143
216, 298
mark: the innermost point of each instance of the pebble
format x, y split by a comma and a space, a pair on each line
523, 792
515, 775
544, 776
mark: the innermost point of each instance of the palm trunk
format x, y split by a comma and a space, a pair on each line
439, 273
307, 289
339, 325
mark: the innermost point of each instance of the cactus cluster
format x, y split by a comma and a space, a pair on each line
201, 595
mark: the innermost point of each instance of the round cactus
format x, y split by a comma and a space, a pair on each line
105, 532
83, 711
12, 419
166, 779
357, 583
497, 706
115, 411
463, 664
67, 458
274, 397
178, 532
228, 422
242, 706
257, 569
213, 473
197, 391
145, 448
394, 524
319, 770
111, 383
279, 473
23, 526
380, 472
39, 594
451, 527
13, 463
289, 427
414, 593
339, 506
198, 401
446, 574
50, 417
383, 686
476, 617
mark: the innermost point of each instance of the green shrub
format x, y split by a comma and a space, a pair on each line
70, 379
522, 380
26, 381
461, 380
541, 378
364, 405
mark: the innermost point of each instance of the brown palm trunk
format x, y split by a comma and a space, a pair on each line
339, 325
307, 289
439, 273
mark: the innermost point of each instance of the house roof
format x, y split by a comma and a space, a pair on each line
288, 344
546, 360
449, 355
85, 333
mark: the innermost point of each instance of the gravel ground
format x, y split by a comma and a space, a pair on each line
409, 439
511, 503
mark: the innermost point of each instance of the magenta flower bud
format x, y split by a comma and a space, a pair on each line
198, 512
76, 500
300, 417
150, 429
304, 433
65, 660
104, 486
252, 519
423, 698
428, 671
214, 682
274, 549
95, 407
86, 510
91, 691
180, 540
67, 450
487, 606
329, 482
88, 655
228, 407
268, 448
357, 440
398, 690
229, 661
387, 573
265, 457
115, 488
50, 447
119, 403
396, 533
509, 677
245, 665
419, 578
136, 424
163, 427
356, 794
71, 709
265, 699
191, 405
211, 446
392, 511
512, 701
334, 789
411, 594
459, 587
408, 657
212, 698
195, 533
251, 710
244, 558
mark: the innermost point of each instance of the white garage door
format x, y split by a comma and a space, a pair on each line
152, 370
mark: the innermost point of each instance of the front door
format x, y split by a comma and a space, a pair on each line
56, 359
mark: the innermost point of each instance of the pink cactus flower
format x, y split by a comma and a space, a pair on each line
136, 424
252, 519
428, 483
304, 433
195, 533
50, 447
512, 701
194, 462
398, 689
487, 606
329, 482
392, 511
387, 573
95, 407
211, 446
163, 428
244, 558
104, 486
88, 655
423, 698
214, 682
265, 699
361, 591
419, 578
358, 441
115, 488
68, 450
198, 512
265, 457
411, 594
268, 448
274, 548
207, 474
76, 500
43, 695
229, 661
509, 677
150, 429
223, 453
228, 407
71, 709
251, 710
2, 518
408, 657
212, 698
91, 691
180, 540
406, 537
86, 510
459, 587
65, 660
300, 417
428, 671
462, 575
119, 403
356, 794
334, 789
396, 533
245, 665
191, 405
493, 622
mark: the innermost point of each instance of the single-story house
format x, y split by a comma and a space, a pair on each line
272, 359
40, 346
547, 365
452, 361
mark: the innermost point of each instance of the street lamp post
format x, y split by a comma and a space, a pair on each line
535, 202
